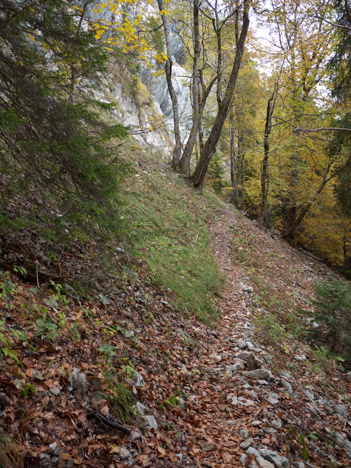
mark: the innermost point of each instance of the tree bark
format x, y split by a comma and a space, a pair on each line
186, 158
235, 196
212, 141
242, 149
265, 162
289, 233
168, 71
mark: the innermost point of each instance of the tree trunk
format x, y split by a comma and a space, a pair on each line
289, 232
212, 141
168, 70
186, 158
265, 162
242, 151
235, 196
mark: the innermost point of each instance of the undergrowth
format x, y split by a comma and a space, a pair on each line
167, 221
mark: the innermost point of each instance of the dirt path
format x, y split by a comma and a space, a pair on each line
260, 421
222, 425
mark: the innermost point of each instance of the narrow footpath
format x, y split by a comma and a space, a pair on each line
242, 411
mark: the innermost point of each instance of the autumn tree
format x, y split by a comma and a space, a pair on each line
224, 105
306, 41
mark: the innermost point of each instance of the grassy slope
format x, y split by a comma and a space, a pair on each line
167, 221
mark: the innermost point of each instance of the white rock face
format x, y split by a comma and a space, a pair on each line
158, 88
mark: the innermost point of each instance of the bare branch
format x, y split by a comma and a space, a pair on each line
321, 129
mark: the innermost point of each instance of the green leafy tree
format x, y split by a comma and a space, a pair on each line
333, 312
55, 148
340, 67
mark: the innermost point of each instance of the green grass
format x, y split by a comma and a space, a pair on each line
167, 221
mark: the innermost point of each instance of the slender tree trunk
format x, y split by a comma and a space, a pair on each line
344, 246
168, 70
265, 162
212, 141
235, 196
242, 151
291, 229
186, 158
217, 28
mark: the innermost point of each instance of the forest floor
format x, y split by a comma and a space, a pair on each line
245, 391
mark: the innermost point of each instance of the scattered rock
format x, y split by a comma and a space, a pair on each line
272, 400
263, 382
150, 422
241, 343
264, 463
273, 457
247, 443
244, 355
253, 451
300, 358
140, 409
238, 364
287, 376
55, 390
259, 374
243, 459
287, 386
4, 400
244, 433
37, 375
138, 380
277, 423
344, 443
269, 430
341, 410
206, 447
124, 454
129, 334
53, 450
134, 435
78, 380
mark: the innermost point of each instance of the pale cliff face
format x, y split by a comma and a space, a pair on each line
158, 114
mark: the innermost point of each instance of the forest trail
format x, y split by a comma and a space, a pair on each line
246, 415
245, 392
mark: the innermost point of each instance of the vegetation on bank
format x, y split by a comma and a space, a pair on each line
167, 222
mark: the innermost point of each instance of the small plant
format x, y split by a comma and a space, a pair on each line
9, 452
20, 270
7, 288
333, 313
47, 329
173, 400
7, 337
269, 330
59, 295
108, 351
129, 370
25, 388
122, 400
304, 448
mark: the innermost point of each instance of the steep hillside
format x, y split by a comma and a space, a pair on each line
178, 346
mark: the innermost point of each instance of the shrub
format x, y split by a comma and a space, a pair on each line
333, 313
